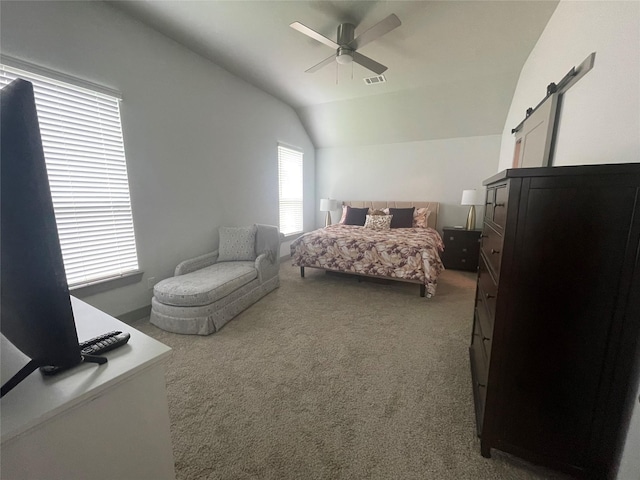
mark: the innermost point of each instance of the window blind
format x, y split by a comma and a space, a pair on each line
84, 152
290, 188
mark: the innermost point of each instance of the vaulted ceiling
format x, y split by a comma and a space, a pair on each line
452, 65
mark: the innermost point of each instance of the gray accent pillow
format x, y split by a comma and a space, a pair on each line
237, 243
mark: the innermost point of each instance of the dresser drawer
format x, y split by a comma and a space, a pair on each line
487, 289
491, 247
500, 207
480, 358
485, 330
479, 375
489, 204
495, 211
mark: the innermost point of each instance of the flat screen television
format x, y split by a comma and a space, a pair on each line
35, 312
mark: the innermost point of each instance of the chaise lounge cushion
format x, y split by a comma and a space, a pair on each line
237, 243
205, 286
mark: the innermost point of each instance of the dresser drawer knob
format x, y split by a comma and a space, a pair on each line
481, 385
484, 236
487, 295
495, 251
499, 204
484, 339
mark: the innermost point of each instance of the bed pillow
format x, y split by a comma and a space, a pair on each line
402, 217
378, 222
344, 214
356, 216
237, 243
420, 217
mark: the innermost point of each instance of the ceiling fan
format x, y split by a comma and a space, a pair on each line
346, 46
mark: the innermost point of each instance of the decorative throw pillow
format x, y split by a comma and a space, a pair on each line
356, 216
378, 222
402, 217
344, 214
377, 212
420, 217
237, 243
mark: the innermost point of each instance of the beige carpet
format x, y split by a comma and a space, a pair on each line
331, 378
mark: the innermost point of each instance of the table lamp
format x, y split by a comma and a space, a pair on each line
327, 205
472, 198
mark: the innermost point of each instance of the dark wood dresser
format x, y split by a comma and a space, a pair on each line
461, 248
557, 316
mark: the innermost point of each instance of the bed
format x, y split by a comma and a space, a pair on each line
402, 254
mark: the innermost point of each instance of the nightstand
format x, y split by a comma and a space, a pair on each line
461, 248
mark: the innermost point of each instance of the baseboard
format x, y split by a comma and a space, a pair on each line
137, 314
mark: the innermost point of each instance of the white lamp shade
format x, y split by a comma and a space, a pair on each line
327, 204
472, 197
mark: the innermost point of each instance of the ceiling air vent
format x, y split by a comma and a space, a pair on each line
375, 80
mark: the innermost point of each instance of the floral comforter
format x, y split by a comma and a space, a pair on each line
399, 253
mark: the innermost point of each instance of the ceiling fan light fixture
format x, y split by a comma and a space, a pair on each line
344, 56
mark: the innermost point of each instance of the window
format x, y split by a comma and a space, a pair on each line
290, 189
84, 152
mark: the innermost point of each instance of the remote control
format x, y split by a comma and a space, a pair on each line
92, 348
104, 343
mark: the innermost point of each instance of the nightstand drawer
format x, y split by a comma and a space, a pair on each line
461, 241
460, 263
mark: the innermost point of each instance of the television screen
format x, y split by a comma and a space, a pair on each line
36, 314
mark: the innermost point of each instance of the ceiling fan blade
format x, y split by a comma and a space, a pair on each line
379, 29
366, 62
323, 63
313, 34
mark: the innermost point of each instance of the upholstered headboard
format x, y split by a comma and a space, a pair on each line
432, 221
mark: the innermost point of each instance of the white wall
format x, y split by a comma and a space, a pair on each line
600, 120
201, 144
434, 170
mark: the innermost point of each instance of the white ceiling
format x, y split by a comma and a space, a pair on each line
452, 65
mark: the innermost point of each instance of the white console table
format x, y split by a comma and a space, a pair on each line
93, 421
